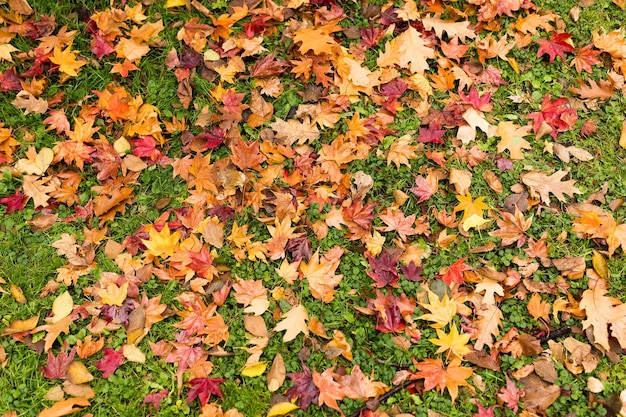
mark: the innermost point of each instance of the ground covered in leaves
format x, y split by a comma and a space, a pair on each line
312, 207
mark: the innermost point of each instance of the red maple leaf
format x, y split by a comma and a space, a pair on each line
557, 45
15, 202
412, 272
557, 114
202, 388
212, 138
510, 395
202, 263
455, 272
360, 214
100, 46
390, 311
155, 398
9, 80
485, 412
482, 103
145, 147
256, 26
110, 362
384, 268
304, 389
56, 366
268, 65
432, 134
370, 36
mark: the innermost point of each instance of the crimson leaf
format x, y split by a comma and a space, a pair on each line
555, 46
15, 202
384, 268
110, 362
155, 398
56, 366
202, 388
304, 389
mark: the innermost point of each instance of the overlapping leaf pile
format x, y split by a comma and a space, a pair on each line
283, 166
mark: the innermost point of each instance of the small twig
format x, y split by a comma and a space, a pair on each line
383, 397
395, 365
555, 334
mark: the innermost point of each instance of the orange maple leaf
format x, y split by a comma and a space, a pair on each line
330, 390
437, 376
318, 39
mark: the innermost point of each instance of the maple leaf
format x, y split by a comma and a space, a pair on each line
510, 394
412, 272
442, 310
161, 243
14, 202
603, 313
357, 386
56, 366
556, 114
294, 323
454, 273
437, 376
304, 389
66, 60
396, 221
513, 139
253, 295
454, 343
320, 273
409, 50
110, 361
390, 311
155, 398
542, 185
384, 268
203, 388
485, 412
556, 46
100, 46
425, 187
432, 134
401, 151
329, 390
512, 228
585, 58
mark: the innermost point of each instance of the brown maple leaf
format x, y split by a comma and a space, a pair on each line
512, 228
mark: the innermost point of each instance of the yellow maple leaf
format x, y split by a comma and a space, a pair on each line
113, 295
442, 310
161, 243
66, 60
454, 343
470, 207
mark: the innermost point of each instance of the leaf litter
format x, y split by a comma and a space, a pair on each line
256, 169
